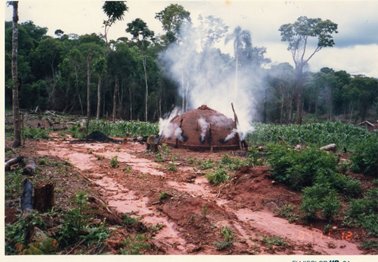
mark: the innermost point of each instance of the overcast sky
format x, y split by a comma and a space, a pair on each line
356, 49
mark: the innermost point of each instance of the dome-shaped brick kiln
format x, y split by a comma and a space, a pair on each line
202, 129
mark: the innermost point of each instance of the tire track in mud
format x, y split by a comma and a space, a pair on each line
117, 194
249, 224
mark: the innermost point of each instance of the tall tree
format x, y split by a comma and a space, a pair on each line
15, 81
143, 37
298, 35
114, 10
172, 17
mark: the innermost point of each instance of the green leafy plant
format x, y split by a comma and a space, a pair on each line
114, 162
75, 221
320, 198
227, 241
364, 212
271, 241
164, 196
218, 176
135, 245
172, 167
35, 133
365, 157
287, 211
128, 220
206, 164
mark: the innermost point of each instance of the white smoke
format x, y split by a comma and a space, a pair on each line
231, 135
207, 76
204, 125
166, 128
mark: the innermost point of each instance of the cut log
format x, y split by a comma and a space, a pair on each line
330, 147
30, 167
12, 162
27, 196
44, 197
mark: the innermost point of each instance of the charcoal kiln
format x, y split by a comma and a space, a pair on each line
202, 129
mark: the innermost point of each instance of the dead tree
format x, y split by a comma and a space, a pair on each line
30, 167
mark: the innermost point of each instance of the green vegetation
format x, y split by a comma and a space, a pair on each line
15, 234
365, 157
272, 241
298, 169
206, 164
227, 241
287, 211
320, 197
76, 225
135, 245
129, 220
114, 162
35, 133
13, 182
316, 134
164, 196
123, 128
218, 176
364, 212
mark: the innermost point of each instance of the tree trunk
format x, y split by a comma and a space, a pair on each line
78, 92
16, 84
299, 90
146, 95
116, 87
88, 87
98, 98
131, 104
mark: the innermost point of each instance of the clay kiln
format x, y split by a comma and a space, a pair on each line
202, 129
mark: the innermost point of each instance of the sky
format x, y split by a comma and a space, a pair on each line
355, 51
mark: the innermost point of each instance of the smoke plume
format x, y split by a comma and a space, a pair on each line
206, 75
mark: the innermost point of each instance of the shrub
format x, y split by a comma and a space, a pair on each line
320, 198
206, 164
114, 162
364, 212
347, 186
365, 157
218, 176
135, 245
298, 169
287, 211
35, 133
274, 241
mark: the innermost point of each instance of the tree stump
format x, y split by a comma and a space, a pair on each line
44, 197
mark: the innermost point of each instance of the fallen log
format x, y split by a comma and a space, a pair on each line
27, 196
12, 162
44, 197
329, 147
30, 167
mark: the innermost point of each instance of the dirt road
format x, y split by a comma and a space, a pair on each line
194, 212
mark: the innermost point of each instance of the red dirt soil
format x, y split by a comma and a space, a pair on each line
195, 211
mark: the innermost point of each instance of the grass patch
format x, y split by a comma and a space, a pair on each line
287, 211
274, 241
218, 176
114, 162
135, 245
227, 239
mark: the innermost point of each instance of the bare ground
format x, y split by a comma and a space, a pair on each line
190, 218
